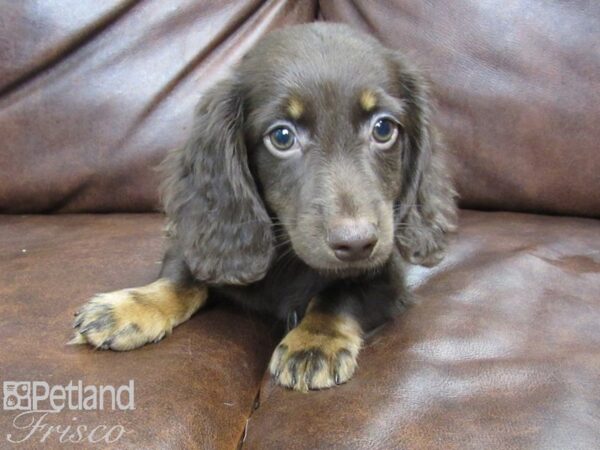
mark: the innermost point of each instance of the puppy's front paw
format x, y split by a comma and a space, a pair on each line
120, 320
310, 357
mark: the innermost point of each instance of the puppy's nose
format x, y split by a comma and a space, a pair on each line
352, 240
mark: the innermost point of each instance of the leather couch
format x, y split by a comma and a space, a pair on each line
502, 349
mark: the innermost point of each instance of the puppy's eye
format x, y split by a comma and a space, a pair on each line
384, 130
282, 138
281, 141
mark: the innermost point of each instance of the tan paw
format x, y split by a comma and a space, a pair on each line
130, 318
318, 354
120, 320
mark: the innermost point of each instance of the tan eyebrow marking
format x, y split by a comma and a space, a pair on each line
368, 100
295, 108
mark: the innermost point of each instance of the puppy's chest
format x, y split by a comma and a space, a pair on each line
285, 289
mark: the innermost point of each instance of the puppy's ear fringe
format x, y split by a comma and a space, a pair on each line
215, 215
426, 209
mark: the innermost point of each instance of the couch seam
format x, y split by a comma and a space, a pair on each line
255, 406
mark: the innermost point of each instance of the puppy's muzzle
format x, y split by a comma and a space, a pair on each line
352, 239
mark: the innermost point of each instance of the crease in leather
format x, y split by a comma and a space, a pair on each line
78, 41
224, 34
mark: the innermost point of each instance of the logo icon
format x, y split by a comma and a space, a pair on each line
17, 395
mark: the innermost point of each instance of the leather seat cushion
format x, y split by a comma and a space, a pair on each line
502, 350
197, 387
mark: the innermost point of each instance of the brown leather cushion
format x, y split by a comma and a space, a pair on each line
93, 94
194, 389
518, 89
503, 351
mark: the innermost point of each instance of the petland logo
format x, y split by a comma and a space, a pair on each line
37, 404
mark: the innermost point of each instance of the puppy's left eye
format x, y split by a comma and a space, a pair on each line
384, 131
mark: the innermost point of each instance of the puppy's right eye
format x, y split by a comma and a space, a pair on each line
281, 141
282, 138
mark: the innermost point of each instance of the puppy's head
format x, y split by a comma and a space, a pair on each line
319, 137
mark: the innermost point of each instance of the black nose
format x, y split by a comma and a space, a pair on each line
352, 240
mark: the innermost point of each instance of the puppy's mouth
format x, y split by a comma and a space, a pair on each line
350, 269
342, 246
343, 262
331, 268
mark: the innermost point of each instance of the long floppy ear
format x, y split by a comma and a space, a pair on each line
426, 207
215, 214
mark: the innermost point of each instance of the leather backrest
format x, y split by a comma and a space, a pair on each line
94, 93
517, 86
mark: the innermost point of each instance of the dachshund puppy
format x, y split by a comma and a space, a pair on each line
311, 176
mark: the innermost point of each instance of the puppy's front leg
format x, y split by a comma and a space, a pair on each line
320, 352
130, 318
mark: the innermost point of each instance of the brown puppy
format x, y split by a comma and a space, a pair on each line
311, 174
